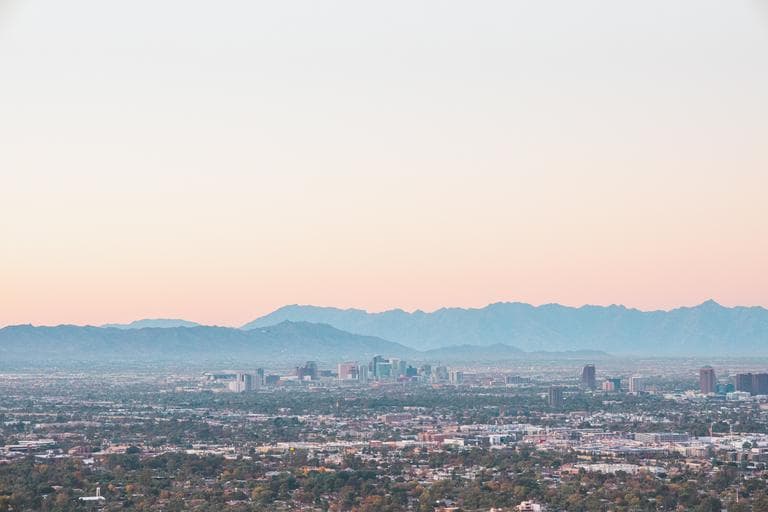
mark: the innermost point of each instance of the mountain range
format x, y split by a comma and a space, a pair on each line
154, 322
502, 331
285, 342
706, 329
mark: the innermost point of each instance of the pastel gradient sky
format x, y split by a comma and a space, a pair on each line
216, 160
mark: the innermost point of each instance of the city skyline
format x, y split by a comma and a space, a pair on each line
414, 255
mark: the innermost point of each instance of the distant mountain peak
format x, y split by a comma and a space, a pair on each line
165, 323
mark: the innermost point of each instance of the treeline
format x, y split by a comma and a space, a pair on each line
296, 480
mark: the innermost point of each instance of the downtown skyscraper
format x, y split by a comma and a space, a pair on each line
707, 380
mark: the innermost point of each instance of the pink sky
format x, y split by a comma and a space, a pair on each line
217, 165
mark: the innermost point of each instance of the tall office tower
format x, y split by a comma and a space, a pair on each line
707, 380
555, 398
612, 384
743, 382
260, 377
383, 370
636, 384
375, 362
311, 368
588, 377
456, 377
243, 382
362, 374
760, 383
348, 371
308, 371
399, 367
440, 374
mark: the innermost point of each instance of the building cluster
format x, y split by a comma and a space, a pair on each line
738, 386
382, 369
588, 381
236, 381
378, 370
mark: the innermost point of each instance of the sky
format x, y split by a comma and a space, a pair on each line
216, 160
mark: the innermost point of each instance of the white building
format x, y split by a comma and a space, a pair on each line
530, 506
637, 384
94, 499
241, 383
738, 396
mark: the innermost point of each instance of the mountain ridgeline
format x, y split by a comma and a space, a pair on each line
706, 329
286, 341
154, 322
498, 332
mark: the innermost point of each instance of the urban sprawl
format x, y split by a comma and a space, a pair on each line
388, 435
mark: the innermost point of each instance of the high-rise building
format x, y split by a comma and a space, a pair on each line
362, 374
348, 371
456, 377
374, 363
612, 384
636, 384
760, 383
241, 383
398, 367
383, 370
308, 371
707, 380
260, 377
555, 397
394, 367
588, 379
440, 374
743, 382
